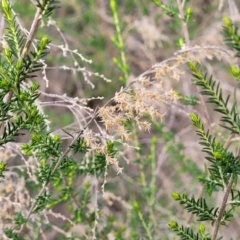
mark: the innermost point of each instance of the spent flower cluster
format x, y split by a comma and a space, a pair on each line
56, 175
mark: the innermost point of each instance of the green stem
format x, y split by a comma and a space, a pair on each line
144, 225
119, 42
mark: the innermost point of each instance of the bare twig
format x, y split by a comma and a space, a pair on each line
33, 30
222, 209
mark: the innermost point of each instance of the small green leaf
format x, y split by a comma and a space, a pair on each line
176, 196
173, 225
202, 230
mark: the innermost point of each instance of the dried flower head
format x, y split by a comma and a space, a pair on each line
145, 94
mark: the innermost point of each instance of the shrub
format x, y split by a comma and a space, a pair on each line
72, 182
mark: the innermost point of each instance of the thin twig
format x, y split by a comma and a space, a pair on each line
229, 141
33, 30
184, 24
222, 209
179, 53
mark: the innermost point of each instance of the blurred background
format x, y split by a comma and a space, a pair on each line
170, 159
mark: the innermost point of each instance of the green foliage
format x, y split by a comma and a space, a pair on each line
172, 11
224, 166
232, 39
118, 41
20, 115
187, 233
47, 6
223, 163
11, 235
214, 92
231, 36
68, 175
3, 168
199, 207
188, 100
